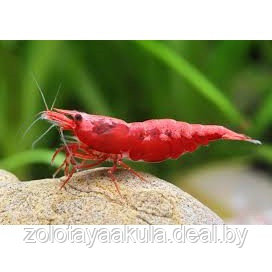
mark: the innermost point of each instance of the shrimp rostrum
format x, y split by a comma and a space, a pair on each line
101, 138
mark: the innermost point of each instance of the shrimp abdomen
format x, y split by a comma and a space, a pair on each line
158, 140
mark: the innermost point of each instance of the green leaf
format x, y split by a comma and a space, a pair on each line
88, 91
265, 152
29, 157
263, 117
3, 109
195, 77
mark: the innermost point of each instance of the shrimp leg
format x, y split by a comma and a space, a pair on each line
122, 164
81, 166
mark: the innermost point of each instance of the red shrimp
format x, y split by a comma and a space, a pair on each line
104, 138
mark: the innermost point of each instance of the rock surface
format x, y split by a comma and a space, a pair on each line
91, 198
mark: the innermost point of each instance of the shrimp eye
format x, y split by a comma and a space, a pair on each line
78, 117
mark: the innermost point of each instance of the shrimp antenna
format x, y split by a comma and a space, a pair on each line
66, 146
64, 141
71, 138
22, 131
43, 98
37, 140
31, 125
55, 99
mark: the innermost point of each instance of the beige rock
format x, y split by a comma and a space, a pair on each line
91, 198
7, 176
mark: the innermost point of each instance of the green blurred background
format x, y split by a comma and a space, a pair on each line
210, 82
